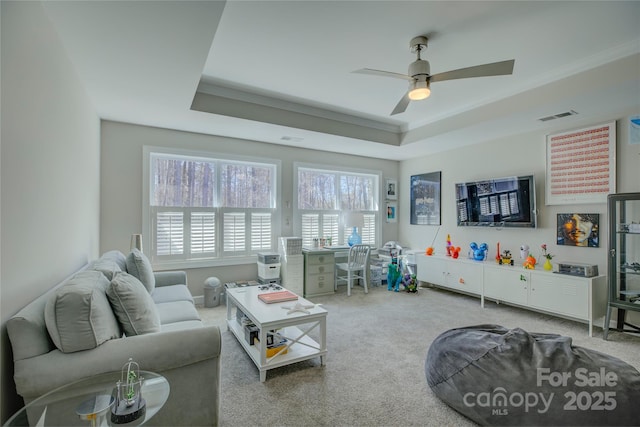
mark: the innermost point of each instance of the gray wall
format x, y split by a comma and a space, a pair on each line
50, 169
121, 184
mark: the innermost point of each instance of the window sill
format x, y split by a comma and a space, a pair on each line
205, 263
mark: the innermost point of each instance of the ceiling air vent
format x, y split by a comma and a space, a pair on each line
292, 138
558, 116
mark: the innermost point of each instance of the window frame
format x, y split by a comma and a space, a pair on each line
221, 258
338, 170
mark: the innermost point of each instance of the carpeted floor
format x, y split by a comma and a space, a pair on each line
374, 372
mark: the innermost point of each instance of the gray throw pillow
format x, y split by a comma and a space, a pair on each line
106, 267
78, 315
138, 265
133, 305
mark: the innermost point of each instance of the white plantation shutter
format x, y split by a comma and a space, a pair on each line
203, 232
310, 228
169, 233
326, 195
260, 231
368, 233
203, 211
234, 232
331, 227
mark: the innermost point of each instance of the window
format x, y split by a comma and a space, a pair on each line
203, 209
330, 202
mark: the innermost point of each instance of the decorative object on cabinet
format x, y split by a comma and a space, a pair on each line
548, 257
391, 186
578, 229
581, 165
624, 261
425, 199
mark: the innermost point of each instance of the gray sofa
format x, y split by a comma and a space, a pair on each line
115, 309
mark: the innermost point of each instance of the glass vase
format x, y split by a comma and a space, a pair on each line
354, 238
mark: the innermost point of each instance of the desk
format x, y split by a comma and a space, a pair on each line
58, 407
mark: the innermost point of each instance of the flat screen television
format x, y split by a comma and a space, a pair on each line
500, 202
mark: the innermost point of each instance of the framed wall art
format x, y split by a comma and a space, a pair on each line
425, 199
391, 189
581, 165
579, 229
392, 212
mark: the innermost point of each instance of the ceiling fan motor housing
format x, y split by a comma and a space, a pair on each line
419, 67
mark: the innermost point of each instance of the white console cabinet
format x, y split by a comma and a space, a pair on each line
456, 274
580, 298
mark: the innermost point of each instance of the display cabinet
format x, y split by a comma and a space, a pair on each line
624, 260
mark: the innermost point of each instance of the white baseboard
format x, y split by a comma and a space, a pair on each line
199, 300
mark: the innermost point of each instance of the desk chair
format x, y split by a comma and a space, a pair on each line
355, 267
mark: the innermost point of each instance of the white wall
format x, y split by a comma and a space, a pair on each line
50, 169
518, 155
121, 183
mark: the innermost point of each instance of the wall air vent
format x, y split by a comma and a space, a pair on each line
558, 116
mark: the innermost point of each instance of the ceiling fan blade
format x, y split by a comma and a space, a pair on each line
402, 105
382, 73
494, 69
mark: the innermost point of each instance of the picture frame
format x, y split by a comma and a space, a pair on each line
392, 212
580, 165
578, 229
425, 199
391, 189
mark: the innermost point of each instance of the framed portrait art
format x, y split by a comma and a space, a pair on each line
391, 189
392, 212
425, 199
579, 229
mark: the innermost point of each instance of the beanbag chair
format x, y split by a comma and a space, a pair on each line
497, 376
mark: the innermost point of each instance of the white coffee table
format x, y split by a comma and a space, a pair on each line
294, 326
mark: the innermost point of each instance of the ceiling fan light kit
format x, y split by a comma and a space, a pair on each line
419, 89
420, 78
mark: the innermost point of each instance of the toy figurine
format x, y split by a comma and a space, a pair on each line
449, 246
505, 258
455, 252
393, 278
410, 283
530, 263
479, 253
524, 251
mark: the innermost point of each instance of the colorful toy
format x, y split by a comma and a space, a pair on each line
455, 252
449, 246
479, 253
530, 263
505, 258
429, 251
410, 282
393, 278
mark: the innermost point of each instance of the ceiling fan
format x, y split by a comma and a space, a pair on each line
420, 79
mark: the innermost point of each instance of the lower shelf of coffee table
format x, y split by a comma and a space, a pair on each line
305, 348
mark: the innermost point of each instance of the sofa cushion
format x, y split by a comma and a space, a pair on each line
138, 265
177, 311
78, 315
132, 305
107, 267
171, 293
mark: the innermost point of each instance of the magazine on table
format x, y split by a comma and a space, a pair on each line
280, 296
